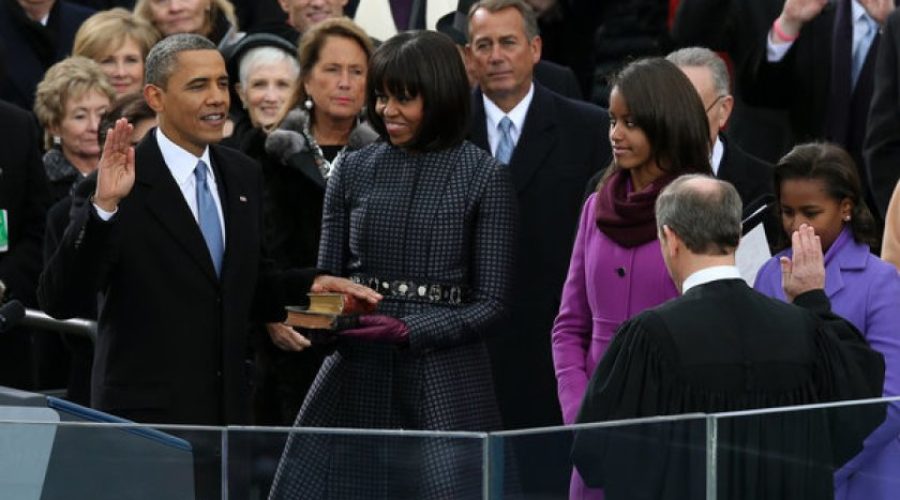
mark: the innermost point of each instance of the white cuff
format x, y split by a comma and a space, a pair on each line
775, 51
103, 214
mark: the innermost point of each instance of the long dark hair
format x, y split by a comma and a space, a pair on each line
425, 63
666, 106
837, 170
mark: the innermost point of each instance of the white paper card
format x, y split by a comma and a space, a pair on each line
752, 253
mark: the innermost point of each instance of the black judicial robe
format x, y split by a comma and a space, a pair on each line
724, 347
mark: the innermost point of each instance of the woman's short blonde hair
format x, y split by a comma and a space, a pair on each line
142, 11
107, 30
70, 78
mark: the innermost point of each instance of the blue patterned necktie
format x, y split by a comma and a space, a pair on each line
862, 48
505, 146
208, 218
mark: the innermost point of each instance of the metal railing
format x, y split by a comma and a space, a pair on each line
78, 327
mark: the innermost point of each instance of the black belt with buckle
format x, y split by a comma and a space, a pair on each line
417, 291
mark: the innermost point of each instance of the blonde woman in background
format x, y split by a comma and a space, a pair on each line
69, 103
214, 19
119, 43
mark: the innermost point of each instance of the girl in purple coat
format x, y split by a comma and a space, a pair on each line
817, 184
658, 131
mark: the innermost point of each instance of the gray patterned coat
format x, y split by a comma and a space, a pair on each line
446, 217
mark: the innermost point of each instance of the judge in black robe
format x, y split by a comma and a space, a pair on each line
723, 347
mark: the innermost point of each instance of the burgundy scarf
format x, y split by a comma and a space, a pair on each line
628, 217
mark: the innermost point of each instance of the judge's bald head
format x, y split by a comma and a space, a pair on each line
704, 212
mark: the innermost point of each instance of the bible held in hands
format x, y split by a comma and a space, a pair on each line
328, 311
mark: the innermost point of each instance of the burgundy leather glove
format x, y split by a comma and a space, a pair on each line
379, 328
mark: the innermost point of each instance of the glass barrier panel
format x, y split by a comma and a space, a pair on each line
50, 453
315, 463
839, 450
643, 458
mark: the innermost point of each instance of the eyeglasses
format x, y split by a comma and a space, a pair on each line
714, 102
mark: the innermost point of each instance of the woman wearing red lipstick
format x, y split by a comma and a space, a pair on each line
119, 43
658, 131
428, 219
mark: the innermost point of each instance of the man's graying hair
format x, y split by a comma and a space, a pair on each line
708, 220
529, 19
162, 57
701, 57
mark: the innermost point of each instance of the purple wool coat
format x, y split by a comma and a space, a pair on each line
865, 290
606, 285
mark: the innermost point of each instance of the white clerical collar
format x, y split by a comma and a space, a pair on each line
517, 115
710, 274
180, 162
715, 159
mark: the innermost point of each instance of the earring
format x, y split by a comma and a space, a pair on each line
56, 140
846, 218
308, 104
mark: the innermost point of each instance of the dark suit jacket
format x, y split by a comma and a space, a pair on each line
801, 84
27, 51
725, 347
25, 196
751, 176
563, 142
882, 147
172, 337
558, 78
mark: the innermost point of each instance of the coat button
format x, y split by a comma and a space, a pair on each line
620, 271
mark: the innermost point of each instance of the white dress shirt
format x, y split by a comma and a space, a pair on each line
715, 159
517, 115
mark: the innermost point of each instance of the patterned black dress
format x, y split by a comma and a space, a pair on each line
443, 219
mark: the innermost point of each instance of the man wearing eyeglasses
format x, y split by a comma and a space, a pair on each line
751, 176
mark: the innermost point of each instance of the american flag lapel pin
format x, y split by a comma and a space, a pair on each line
242, 198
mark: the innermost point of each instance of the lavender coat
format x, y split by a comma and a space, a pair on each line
606, 285
865, 290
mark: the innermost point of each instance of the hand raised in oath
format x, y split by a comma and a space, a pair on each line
115, 173
806, 271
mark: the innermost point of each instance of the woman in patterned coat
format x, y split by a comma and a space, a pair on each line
429, 220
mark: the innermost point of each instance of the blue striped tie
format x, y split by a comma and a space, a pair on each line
505, 146
208, 218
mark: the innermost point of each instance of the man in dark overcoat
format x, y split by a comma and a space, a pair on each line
552, 146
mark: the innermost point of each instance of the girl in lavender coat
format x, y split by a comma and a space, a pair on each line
817, 184
658, 131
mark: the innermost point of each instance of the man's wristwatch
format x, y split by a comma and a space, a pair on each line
2, 291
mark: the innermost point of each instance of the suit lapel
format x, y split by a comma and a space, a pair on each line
234, 209
536, 140
478, 128
834, 280
165, 201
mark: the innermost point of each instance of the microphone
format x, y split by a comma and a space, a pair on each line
11, 313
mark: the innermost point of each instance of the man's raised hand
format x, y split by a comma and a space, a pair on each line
115, 173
